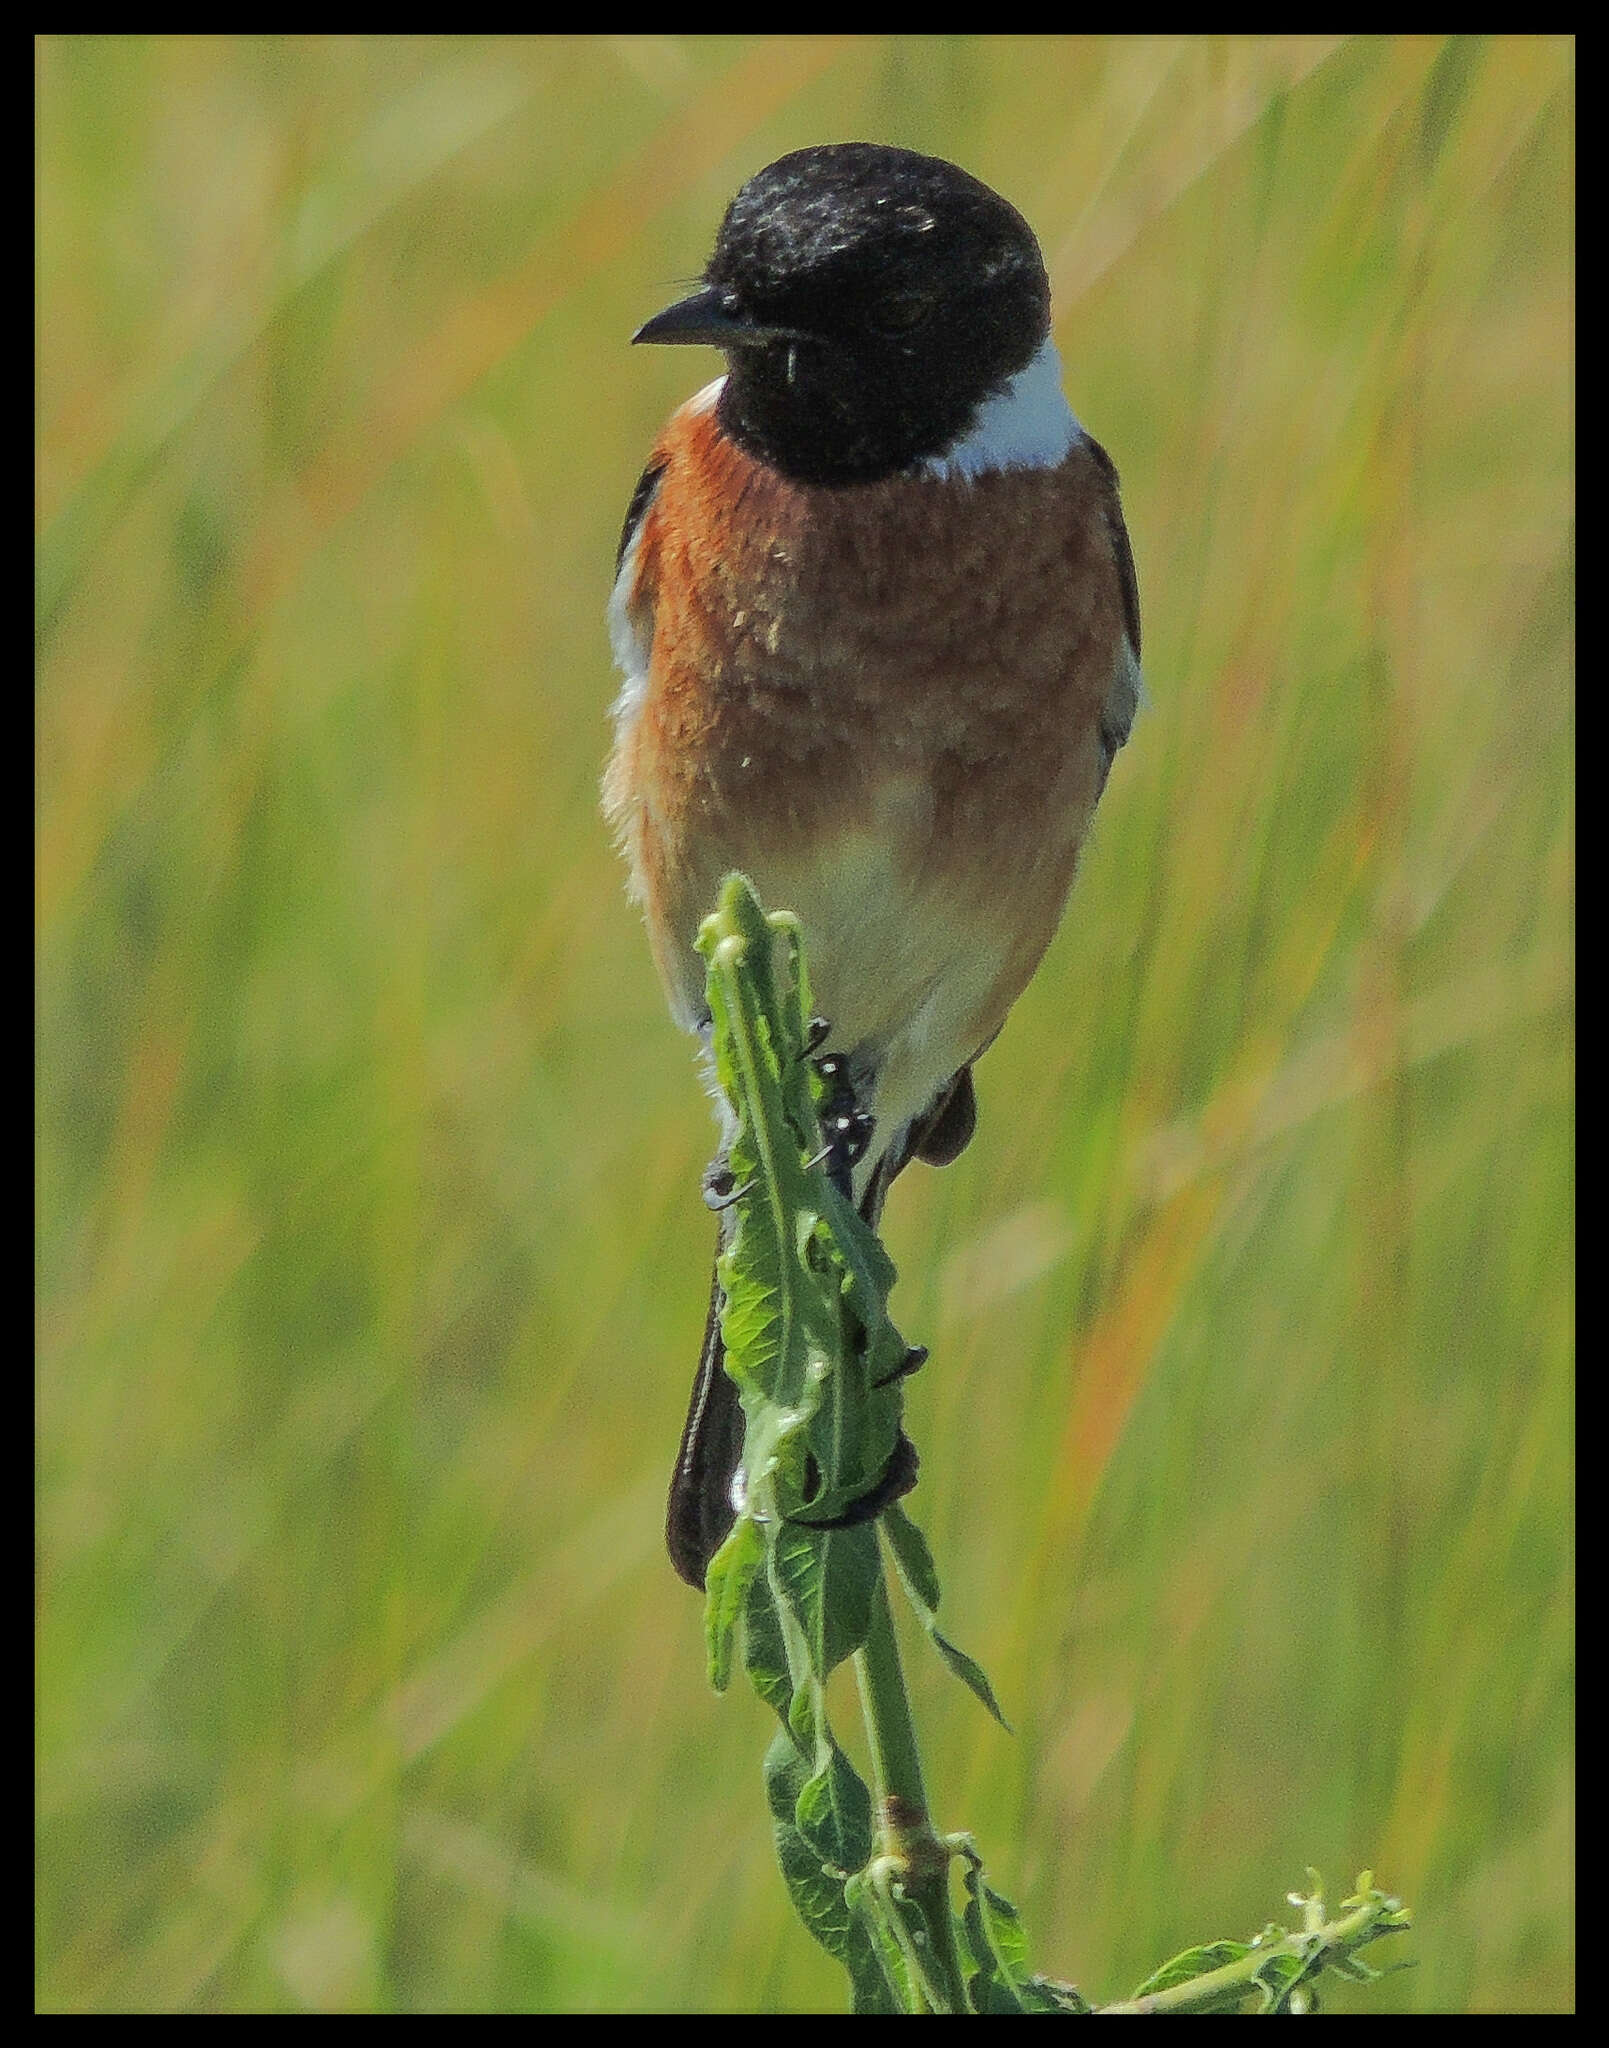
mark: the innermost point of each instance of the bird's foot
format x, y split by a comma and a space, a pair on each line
720, 1188
846, 1127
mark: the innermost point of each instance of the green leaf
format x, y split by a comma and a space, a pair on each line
828, 1578
887, 1985
726, 1590
1051, 1994
777, 1314
1000, 1979
800, 1082
807, 1717
995, 1942
971, 1674
912, 1557
765, 1652
834, 1813
1006, 1937
1196, 1962
914, 1563
818, 1894
907, 1913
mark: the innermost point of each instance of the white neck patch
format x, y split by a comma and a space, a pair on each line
1029, 425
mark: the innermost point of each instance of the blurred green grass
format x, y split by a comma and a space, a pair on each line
370, 1260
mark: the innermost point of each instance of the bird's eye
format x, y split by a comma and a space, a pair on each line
902, 312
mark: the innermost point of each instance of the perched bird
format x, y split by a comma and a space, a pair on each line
876, 611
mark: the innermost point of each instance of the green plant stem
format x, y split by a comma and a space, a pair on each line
918, 1860
896, 1761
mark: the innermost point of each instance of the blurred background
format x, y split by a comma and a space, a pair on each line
371, 1263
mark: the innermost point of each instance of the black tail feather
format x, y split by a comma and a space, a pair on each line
700, 1510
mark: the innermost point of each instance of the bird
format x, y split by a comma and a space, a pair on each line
876, 614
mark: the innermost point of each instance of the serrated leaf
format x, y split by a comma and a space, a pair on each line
817, 1893
907, 1915
914, 1562
806, 1717
1006, 1937
765, 1652
834, 1812
971, 1674
913, 1559
990, 1991
726, 1591
887, 1985
854, 1427
828, 1578
1195, 1962
1050, 1994
997, 1945
1198, 1963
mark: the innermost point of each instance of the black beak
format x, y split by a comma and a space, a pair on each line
707, 317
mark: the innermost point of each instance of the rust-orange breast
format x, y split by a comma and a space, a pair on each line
892, 690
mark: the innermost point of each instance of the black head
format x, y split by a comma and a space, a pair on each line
868, 300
